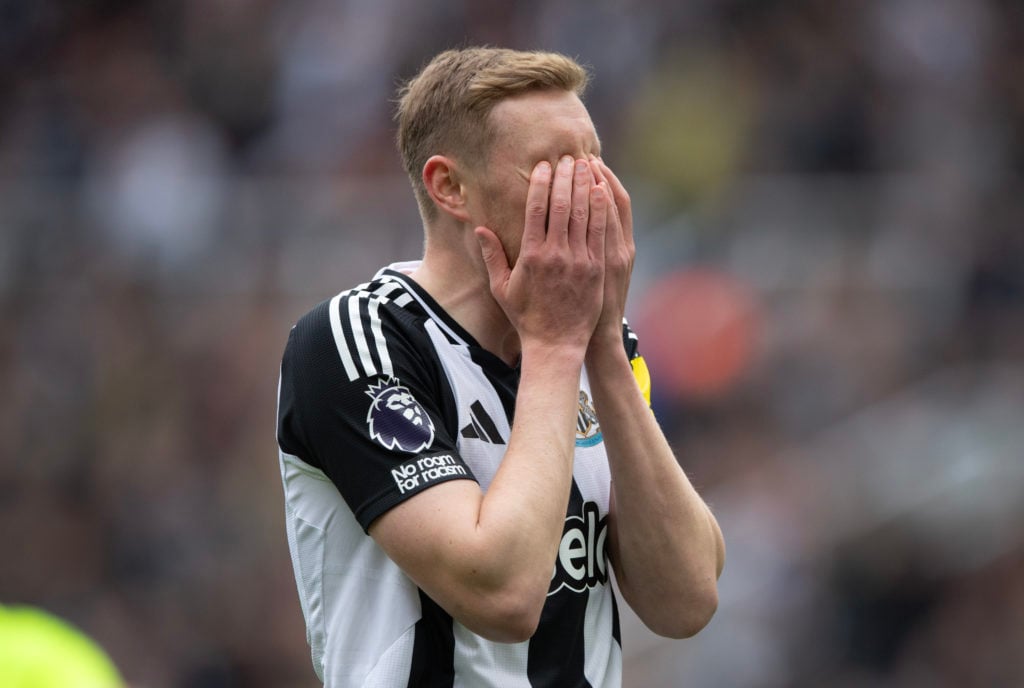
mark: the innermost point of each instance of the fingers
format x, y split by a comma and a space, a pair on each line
613, 231
561, 204
580, 213
598, 168
620, 197
536, 206
618, 190
598, 222
495, 260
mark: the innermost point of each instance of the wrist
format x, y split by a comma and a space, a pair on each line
606, 348
568, 354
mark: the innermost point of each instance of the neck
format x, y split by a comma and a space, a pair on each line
457, 279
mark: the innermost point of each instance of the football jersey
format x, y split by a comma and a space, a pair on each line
383, 395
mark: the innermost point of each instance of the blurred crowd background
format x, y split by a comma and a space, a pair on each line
829, 290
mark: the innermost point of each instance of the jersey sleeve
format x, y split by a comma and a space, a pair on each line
368, 406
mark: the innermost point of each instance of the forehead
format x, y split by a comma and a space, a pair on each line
543, 124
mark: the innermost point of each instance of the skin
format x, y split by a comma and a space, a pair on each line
544, 215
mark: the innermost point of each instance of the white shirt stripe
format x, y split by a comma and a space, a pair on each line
602, 659
378, 336
385, 290
359, 335
382, 292
339, 338
478, 662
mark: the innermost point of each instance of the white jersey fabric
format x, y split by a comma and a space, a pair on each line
383, 395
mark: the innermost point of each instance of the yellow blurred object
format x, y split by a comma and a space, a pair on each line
38, 650
690, 125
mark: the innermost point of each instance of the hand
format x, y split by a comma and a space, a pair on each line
620, 253
553, 295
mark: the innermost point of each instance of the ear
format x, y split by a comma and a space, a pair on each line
443, 179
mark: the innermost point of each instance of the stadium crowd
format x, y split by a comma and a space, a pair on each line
830, 217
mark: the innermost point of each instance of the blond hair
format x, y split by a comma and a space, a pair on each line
444, 109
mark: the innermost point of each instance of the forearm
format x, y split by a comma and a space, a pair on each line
524, 507
665, 544
486, 556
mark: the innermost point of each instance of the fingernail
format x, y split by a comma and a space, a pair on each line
565, 160
581, 166
543, 166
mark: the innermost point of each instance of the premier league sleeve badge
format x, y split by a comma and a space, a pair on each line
396, 420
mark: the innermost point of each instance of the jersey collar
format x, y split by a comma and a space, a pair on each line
399, 272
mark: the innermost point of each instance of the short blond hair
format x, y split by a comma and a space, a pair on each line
444, 109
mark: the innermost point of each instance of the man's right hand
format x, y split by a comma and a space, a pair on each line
554, 293
487, 557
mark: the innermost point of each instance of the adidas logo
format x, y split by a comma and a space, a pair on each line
481, 427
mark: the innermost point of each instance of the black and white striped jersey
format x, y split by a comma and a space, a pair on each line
383, 395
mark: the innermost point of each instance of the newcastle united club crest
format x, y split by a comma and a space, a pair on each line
588, 432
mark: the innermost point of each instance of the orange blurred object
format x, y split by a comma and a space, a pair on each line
698, 329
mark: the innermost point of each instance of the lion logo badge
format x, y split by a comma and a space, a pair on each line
396, 420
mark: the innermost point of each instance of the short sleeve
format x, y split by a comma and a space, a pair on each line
379, 425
